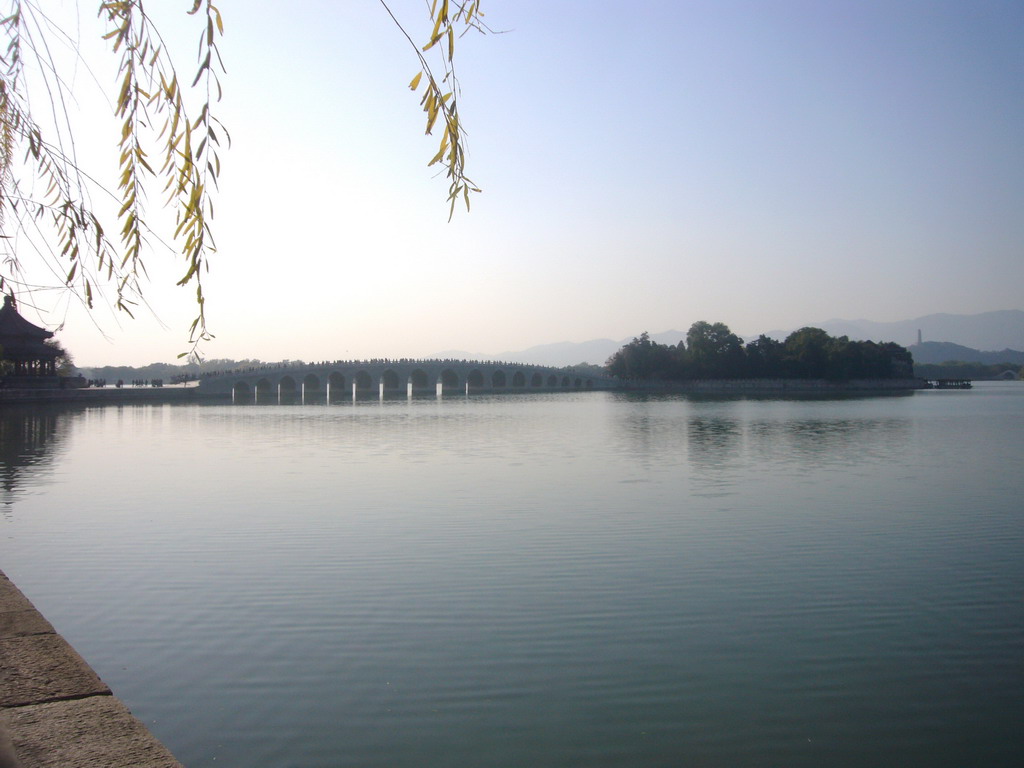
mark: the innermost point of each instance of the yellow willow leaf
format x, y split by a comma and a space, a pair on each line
188, 275
202, 67
436, 34
431, 117
439, 155
415, 82
128, 203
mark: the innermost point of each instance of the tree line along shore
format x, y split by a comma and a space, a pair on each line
712, 351
709, 351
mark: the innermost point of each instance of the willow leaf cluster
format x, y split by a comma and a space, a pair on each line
440, 100
47, 197
169, 138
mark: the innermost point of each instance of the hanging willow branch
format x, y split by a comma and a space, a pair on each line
440, 95
159, 139
46, 198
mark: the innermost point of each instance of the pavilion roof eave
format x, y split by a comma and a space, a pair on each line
14, 326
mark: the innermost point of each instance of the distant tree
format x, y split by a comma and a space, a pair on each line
713, 350
764, 357
807, 353
641, 359
901, 360
64, 362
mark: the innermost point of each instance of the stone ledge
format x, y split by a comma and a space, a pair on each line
23, 623
11, 598
97, 731
41, 668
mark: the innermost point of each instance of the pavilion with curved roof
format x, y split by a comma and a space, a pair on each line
28, 360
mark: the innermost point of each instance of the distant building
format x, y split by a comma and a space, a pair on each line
27, 360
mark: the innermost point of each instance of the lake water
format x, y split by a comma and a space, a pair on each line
587, 579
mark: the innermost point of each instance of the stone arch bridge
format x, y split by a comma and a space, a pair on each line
361, 380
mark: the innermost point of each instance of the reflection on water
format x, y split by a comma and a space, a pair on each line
31, 439
540, 580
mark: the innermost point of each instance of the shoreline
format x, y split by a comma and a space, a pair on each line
105, 395
195, 394
777, 386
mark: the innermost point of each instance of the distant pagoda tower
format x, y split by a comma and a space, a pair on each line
918, 335
30, 362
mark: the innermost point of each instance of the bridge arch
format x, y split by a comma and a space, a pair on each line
419, 381
241, 392
565, 381
475, 379
536, 380
311, 391
389, 382
286, 390
552, 381
363, 383
498, 379
336, 387
518, 379
263, 392
449, 381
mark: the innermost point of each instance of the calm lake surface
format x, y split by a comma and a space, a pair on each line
586, 579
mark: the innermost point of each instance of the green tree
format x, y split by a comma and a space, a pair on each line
807, 353
642, 359
65, 362
169, 141
764, 357
713, 350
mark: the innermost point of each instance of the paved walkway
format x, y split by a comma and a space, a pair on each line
54, 710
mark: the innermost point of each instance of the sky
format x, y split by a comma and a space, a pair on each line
644, 165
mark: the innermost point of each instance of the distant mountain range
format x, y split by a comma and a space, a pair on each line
989, 330
939, 352
1001, 330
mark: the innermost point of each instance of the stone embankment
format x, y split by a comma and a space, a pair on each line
55, 712
101, 396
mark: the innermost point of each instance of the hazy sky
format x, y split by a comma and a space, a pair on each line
644, 165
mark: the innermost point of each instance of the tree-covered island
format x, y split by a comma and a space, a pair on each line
712, 351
